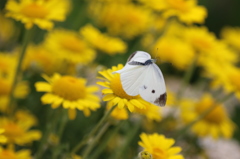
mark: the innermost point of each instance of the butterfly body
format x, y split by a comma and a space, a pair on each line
142, 76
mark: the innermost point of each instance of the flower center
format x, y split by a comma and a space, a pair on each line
116, 86
72, 43
5, 87
215, 116
201, 44
69, 88
12, 131
7, 154
159, 153
34, 10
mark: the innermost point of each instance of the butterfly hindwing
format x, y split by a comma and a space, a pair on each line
153, 89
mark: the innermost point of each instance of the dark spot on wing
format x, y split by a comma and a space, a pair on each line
131, 56
161, 101
145, 87
153, 91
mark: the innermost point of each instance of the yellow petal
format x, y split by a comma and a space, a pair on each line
108, 97
43, 87
72, 113
107, 91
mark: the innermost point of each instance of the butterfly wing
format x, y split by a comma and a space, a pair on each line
132, 75
132, 78
153, 88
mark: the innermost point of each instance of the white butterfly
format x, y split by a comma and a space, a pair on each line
142, 76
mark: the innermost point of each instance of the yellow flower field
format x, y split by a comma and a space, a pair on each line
61, 97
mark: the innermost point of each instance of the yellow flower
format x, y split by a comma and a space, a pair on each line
115, 94
8, 63
17, 128
118, 113
216, 124
230, 35
121, 18
200, 38
3, 138
68, 45
159, 146
39, 12
69, 91
186, 10
152, 112
11, 154
38, 58
101, 41
7, 30
144, 155
180, 55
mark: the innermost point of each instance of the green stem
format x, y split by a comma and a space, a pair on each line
91, 134
201, 116
63, 122
132, 133
49, 128
186, 79
18, 72
95, 140
109, 136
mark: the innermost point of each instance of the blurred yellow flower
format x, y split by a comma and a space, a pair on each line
186, 10
159, 146
199, 38
17, 129
3, 138
103, 42
216, 124
121, 18
231, 36
8, 63
115, 94
181, 55
39, 12
118, 113
69, 91
11, 154
38, 58
68, 45
7, 30
152, 112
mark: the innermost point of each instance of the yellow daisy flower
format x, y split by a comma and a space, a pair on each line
3, 138
118, 113
230, 35
216, 124
159, 146
39, 12
11, 154
69, 46
69, 91
186, 10
16, 129
7, 30
8, 63
121, 18
171, 54
100, 40
38, 58
152, 112
115, 94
